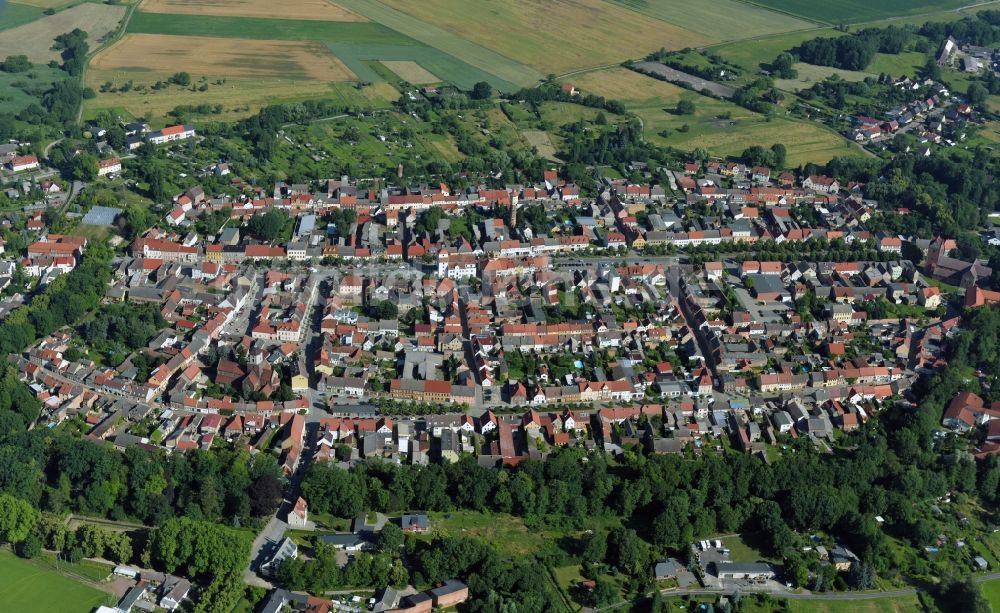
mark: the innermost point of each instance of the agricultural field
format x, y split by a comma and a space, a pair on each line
411, 72
13, 15
860, 11
48, 4
320, 10
222, 57
353, 42
721, 127
723, 19
588, 32
30, 587
35, 39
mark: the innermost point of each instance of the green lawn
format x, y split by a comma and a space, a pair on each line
741, 551
858, 11
30, 588
751, 53
897, 65
991, 590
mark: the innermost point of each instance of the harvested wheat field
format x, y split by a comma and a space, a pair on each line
35, 39
318, 10
411, 72
146, 54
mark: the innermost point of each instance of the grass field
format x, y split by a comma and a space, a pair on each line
35, 39
584, 33
991, 590
859, 11
750, 54
897, 65
542, 142
411, 72
906, 604
222, 57
721, 127
320, 10
809, 75
29, 587
238, 97
13, 15
19, 90
722, 19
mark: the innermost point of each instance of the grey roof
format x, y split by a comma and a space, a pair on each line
341, 540
101, 216
418, 521
667, 568
743, 567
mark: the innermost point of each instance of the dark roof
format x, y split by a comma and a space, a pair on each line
450, 587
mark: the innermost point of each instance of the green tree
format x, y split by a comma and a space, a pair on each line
390, 538
481, 91
686, 107
17, 518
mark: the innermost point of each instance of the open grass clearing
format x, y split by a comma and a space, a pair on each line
35, 39
320, 10
222, 57
725, 19
900, 64
411, 72
238, 97
859, 11
810, 74
542, 142
30, 586
628, 86
13, 15
21, 89
750, 54
588, 32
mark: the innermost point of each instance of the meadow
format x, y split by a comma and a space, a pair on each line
859, 11
34, 39
584, 33
750, 54
21, 89
721, 19
30, 587
320, 10
810, 74
721, 127
13, 15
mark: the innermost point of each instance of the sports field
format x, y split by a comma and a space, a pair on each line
35, 39
28, 587
859, 11
320, 10
721, 19
555, 36
222, 57
411, 72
